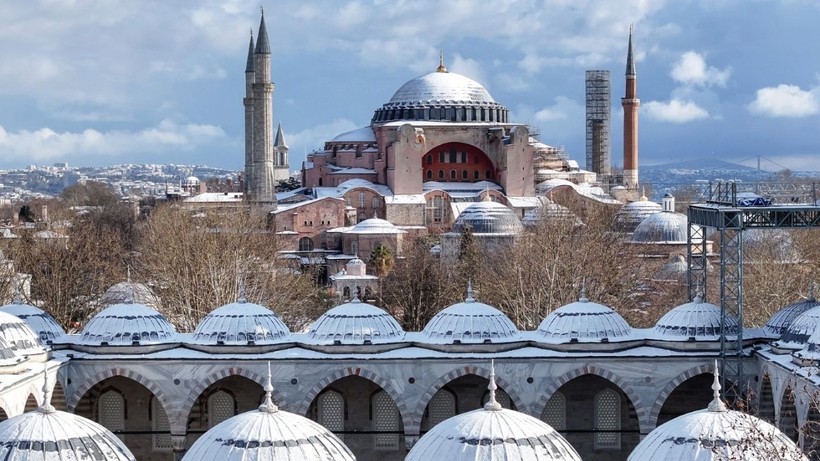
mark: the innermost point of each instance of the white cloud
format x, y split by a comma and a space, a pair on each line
563, 108
675, 111
785, 101
314, 137
691, 69
46, 144
469, 68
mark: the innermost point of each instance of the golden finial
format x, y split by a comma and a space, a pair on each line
441, 67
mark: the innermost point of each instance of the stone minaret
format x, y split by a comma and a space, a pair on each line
630, 103
261, 182
248, 102
281, 165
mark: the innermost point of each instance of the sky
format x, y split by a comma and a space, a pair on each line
105, 82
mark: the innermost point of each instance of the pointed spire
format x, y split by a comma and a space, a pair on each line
268, 406
492, 404
630, 61
698, 293
18, 297
129, 287
280, 138
46, 407
262, 43
441, 67
811, 292
716, 404
249, 64
583, 298
242, 299
469, 298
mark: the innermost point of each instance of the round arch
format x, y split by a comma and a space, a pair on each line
417, 415
90, 382
672, 385
201, 385
623, 385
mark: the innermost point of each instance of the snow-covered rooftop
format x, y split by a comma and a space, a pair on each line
19, 336
40, 321
583, 321
355, 323
128, 324
696, 319
470, 322
240, 323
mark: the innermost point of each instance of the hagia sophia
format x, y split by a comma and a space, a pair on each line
440, 156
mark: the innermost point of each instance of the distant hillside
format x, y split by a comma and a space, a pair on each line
708, 164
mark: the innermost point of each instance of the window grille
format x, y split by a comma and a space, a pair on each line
607, 420
221, 406
441, 407
330, 412
361, 199
385, 419
555, 412
160, 426
111, 411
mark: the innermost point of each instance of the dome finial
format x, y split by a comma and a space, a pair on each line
18, 297
811, 292
242, 299
441, 67
46, 406
716, 404
583, 298
268, 406
492, 404
469, 298
698, 293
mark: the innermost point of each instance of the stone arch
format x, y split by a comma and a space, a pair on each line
414, 422
85, 386
3, 415
623, 385
201, 384
31, 403
301, 408
765, 399
671, 386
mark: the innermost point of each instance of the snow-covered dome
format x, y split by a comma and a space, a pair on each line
241, 323
364, 134
782, 319
492, 433
191, 181
665, 227
583, 321
46, 434
470, 322
40, 321
799, 331
633, 213
268, 433
353, 183
673, 271
375, 226
128, 324
716, 433
133, 291
695, 319
8, 356
356, 323
550, 212
488, 217
19, 336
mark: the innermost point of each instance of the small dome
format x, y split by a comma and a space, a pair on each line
241, 323
550, 212
7, 354
46, 434
470, 322
128, 324
375, 226
39, 320
267, 434
19, 336
488, 217
633, 213
492, 433
782, 319
716, 433
665, 227
801, 328
356, 267
191, 181
673, 271
353, 183
696, 319
364, 134
583, 321
355, 323
130, 292
443, 88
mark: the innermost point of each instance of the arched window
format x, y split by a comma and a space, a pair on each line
305, 244
555, 412
441, 407
160, 426
429, 174
221, 406
440, 174
464, 174
386, 422
476, 175
330, 410
607, 420
452, 174
429, 159
361, 199
376, 202
346, 293
320, 182
111, 411
488, 174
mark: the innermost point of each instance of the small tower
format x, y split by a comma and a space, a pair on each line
631, 103
281, 165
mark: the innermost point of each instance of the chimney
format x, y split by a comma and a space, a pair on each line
668, 202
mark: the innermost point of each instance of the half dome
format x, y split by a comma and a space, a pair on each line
126, 325
40, 321
470, 322
19, 336
697, 319
241, 323
356, 323
583, 321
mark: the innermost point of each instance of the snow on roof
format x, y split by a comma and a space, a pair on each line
364, 134
782, 319
375, 226
667, 227
587, 190
583, 321
136, 292
695, 319
356, 323
19, 337
477, 187
215, 197
40, 321
804, 326
488, 217
633, 213
354, 171
405, 199
240, 323
127, 324
470, 322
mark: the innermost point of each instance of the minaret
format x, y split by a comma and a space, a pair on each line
248, 102
281, 155
262, 189
630, 103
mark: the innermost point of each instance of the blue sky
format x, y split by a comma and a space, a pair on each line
102, 82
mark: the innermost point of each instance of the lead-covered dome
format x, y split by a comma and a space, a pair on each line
667, 227
375, 226
241, 323
798, 332
716, 433
633, 213
128, 324
583, 321
267, 434
488, 217
782, 319
697, 319
470, 322
19, 336
46, 434
492, 433
130, 291
40, 321
355, 323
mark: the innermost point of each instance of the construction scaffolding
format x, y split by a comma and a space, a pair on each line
727, 209
598, 107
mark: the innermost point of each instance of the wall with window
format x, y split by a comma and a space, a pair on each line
457, 162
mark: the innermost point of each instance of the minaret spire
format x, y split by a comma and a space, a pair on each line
630, 60
631, 103
249, 64
262, 43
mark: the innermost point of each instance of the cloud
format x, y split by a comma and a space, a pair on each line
675, 111
691, 69
785, 101
46, 144
563, 108
314, 137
